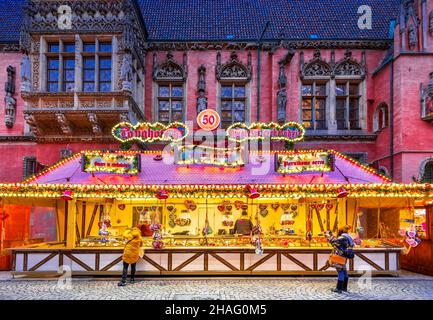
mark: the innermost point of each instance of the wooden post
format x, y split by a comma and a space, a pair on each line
71, 223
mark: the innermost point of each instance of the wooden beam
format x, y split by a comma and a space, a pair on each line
224, 262
370, 262
79, 262
42, 262
260, 262
297, 262
112, 264
83, 219
92, 220
71, 222
187, 262
153, 263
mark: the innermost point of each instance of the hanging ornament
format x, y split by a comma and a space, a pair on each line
275, 206
238, 204
227, 221
67, 195
121, 206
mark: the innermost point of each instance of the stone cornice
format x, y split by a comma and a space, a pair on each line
9, 47
340, 137
17, 139
268, 46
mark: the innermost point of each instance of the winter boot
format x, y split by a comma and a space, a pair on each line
122, 283
132, 280
339, 287
345, 283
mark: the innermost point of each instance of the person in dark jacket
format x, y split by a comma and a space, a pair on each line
243, 226
341, 244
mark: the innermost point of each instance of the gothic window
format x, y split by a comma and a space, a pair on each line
428, 172
170, 102
30, 165
97, 66
383, 171
380, 117
60, 66
347, 105
233, 104
314, 96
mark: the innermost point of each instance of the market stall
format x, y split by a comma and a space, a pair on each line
224, 213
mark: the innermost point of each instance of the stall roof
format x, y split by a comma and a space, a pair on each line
347, 171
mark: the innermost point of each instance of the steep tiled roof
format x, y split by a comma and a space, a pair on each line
11, 17
216, 20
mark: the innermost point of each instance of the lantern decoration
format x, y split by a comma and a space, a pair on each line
252, 193
162, 194
342, 193
67, 195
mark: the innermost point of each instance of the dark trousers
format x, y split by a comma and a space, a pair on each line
342, 274
125, 271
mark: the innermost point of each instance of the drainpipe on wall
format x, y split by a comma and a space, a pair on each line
259, 51
391, 121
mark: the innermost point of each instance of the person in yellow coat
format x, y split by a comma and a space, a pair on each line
131, 253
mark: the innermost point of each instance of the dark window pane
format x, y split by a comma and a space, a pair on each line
239, 92
53, 75
341, 104
340, 90
105, 47
104, 87
105, 63
164, 117
176, 105
53, 64
89, 75
89, 63
69, 63
320, 115
53, 87
89, 87
69, 47
226, 105
239, 116
89, 47
320, 125
164, 105
53, 47
69, 86
353, 90
320, 90
69, 75
164, 91
226, 92
306, 115
176, 91
176, 116
239, 105
105, 75
307, 90
320, 104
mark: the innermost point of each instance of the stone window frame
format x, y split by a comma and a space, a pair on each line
78, 39
246, 99
347, 97
314, 82
29, 166
157, 98
385, 117
318, 69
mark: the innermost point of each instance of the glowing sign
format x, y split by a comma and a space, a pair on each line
150, 132
208, 120
304, 162
94, 162
290, 131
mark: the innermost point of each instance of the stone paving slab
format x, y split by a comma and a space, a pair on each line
217, 289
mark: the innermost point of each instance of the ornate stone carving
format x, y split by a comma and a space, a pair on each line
65, 153
316, 67
26, 74
233, 69
10, 102
96, 127
64, 123
169, 69
126, 73
349, 66
282, 84
411, 21
426, 97
9, 47
201, 89
31, 121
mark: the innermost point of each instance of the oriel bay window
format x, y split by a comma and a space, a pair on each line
170, 102
233, 104
314, 99
347, 106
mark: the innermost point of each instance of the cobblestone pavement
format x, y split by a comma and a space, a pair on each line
408, 288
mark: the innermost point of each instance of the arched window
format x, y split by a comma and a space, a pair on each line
380, 117
428, 172
383, 171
